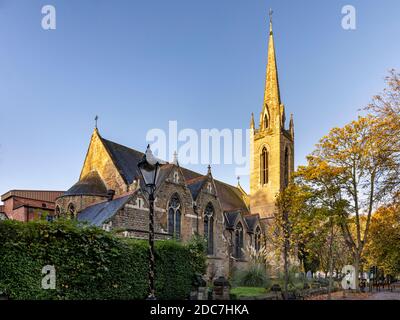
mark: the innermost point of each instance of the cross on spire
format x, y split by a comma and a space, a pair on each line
95, 121
271, 12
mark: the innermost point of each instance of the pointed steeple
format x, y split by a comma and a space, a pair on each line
291, 126
272, 94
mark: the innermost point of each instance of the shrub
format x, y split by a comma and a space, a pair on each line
254, 276
90, 263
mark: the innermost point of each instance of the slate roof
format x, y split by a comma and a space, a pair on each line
99, 213
230, 219
91, 184
125, 159
251, 221
231, 197
195, 185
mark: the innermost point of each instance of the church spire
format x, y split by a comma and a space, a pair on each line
291, 126
272, 94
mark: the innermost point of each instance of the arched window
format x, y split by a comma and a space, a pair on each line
265, 122
238, 240
209, 228
174, 216
264, 166
257, 239
286, 172
71, 210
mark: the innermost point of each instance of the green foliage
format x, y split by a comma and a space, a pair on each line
254, 276
197, 247
90, 263
248, 292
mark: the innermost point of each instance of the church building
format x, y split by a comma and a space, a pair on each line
108, 193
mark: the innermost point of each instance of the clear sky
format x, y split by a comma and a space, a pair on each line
140, 64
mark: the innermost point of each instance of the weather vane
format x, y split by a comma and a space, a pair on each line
271, 12
95, 120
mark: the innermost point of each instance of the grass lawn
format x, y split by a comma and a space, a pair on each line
248, 291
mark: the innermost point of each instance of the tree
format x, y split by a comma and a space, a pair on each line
292, 203
383, 247
352, 174
386, 110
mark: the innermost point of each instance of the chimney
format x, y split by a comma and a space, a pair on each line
110, 194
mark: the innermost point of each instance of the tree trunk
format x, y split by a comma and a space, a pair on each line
286, 268
286, 254
357, 270
330, 263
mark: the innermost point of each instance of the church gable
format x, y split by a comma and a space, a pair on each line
98, 159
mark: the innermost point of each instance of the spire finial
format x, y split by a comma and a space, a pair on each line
209, 169
95, 121
175, 160
238, 179
271, 12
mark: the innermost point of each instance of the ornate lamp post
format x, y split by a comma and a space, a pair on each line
148, 168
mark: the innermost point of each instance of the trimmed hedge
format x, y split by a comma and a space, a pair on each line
90, 263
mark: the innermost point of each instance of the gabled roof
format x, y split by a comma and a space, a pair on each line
125, 159
231, 197
91, 184
99, 213
195, 185
251, 221
41, 195
231, 218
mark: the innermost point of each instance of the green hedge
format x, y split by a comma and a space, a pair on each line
90, 263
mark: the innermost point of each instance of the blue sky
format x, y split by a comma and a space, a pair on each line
140, 64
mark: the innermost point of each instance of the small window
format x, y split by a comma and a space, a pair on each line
264, 166
265, 122
257, 239
71, 210
209, 187
238, 241
286, 172
176, 177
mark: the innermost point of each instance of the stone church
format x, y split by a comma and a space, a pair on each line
108, 193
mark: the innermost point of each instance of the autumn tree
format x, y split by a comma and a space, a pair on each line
352, 174
383, 246
291, 203
386, 110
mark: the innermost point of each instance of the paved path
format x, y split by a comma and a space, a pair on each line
385, 295
382, 295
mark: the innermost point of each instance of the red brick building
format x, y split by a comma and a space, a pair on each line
28, 205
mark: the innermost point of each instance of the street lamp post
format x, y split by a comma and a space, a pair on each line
148, 168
